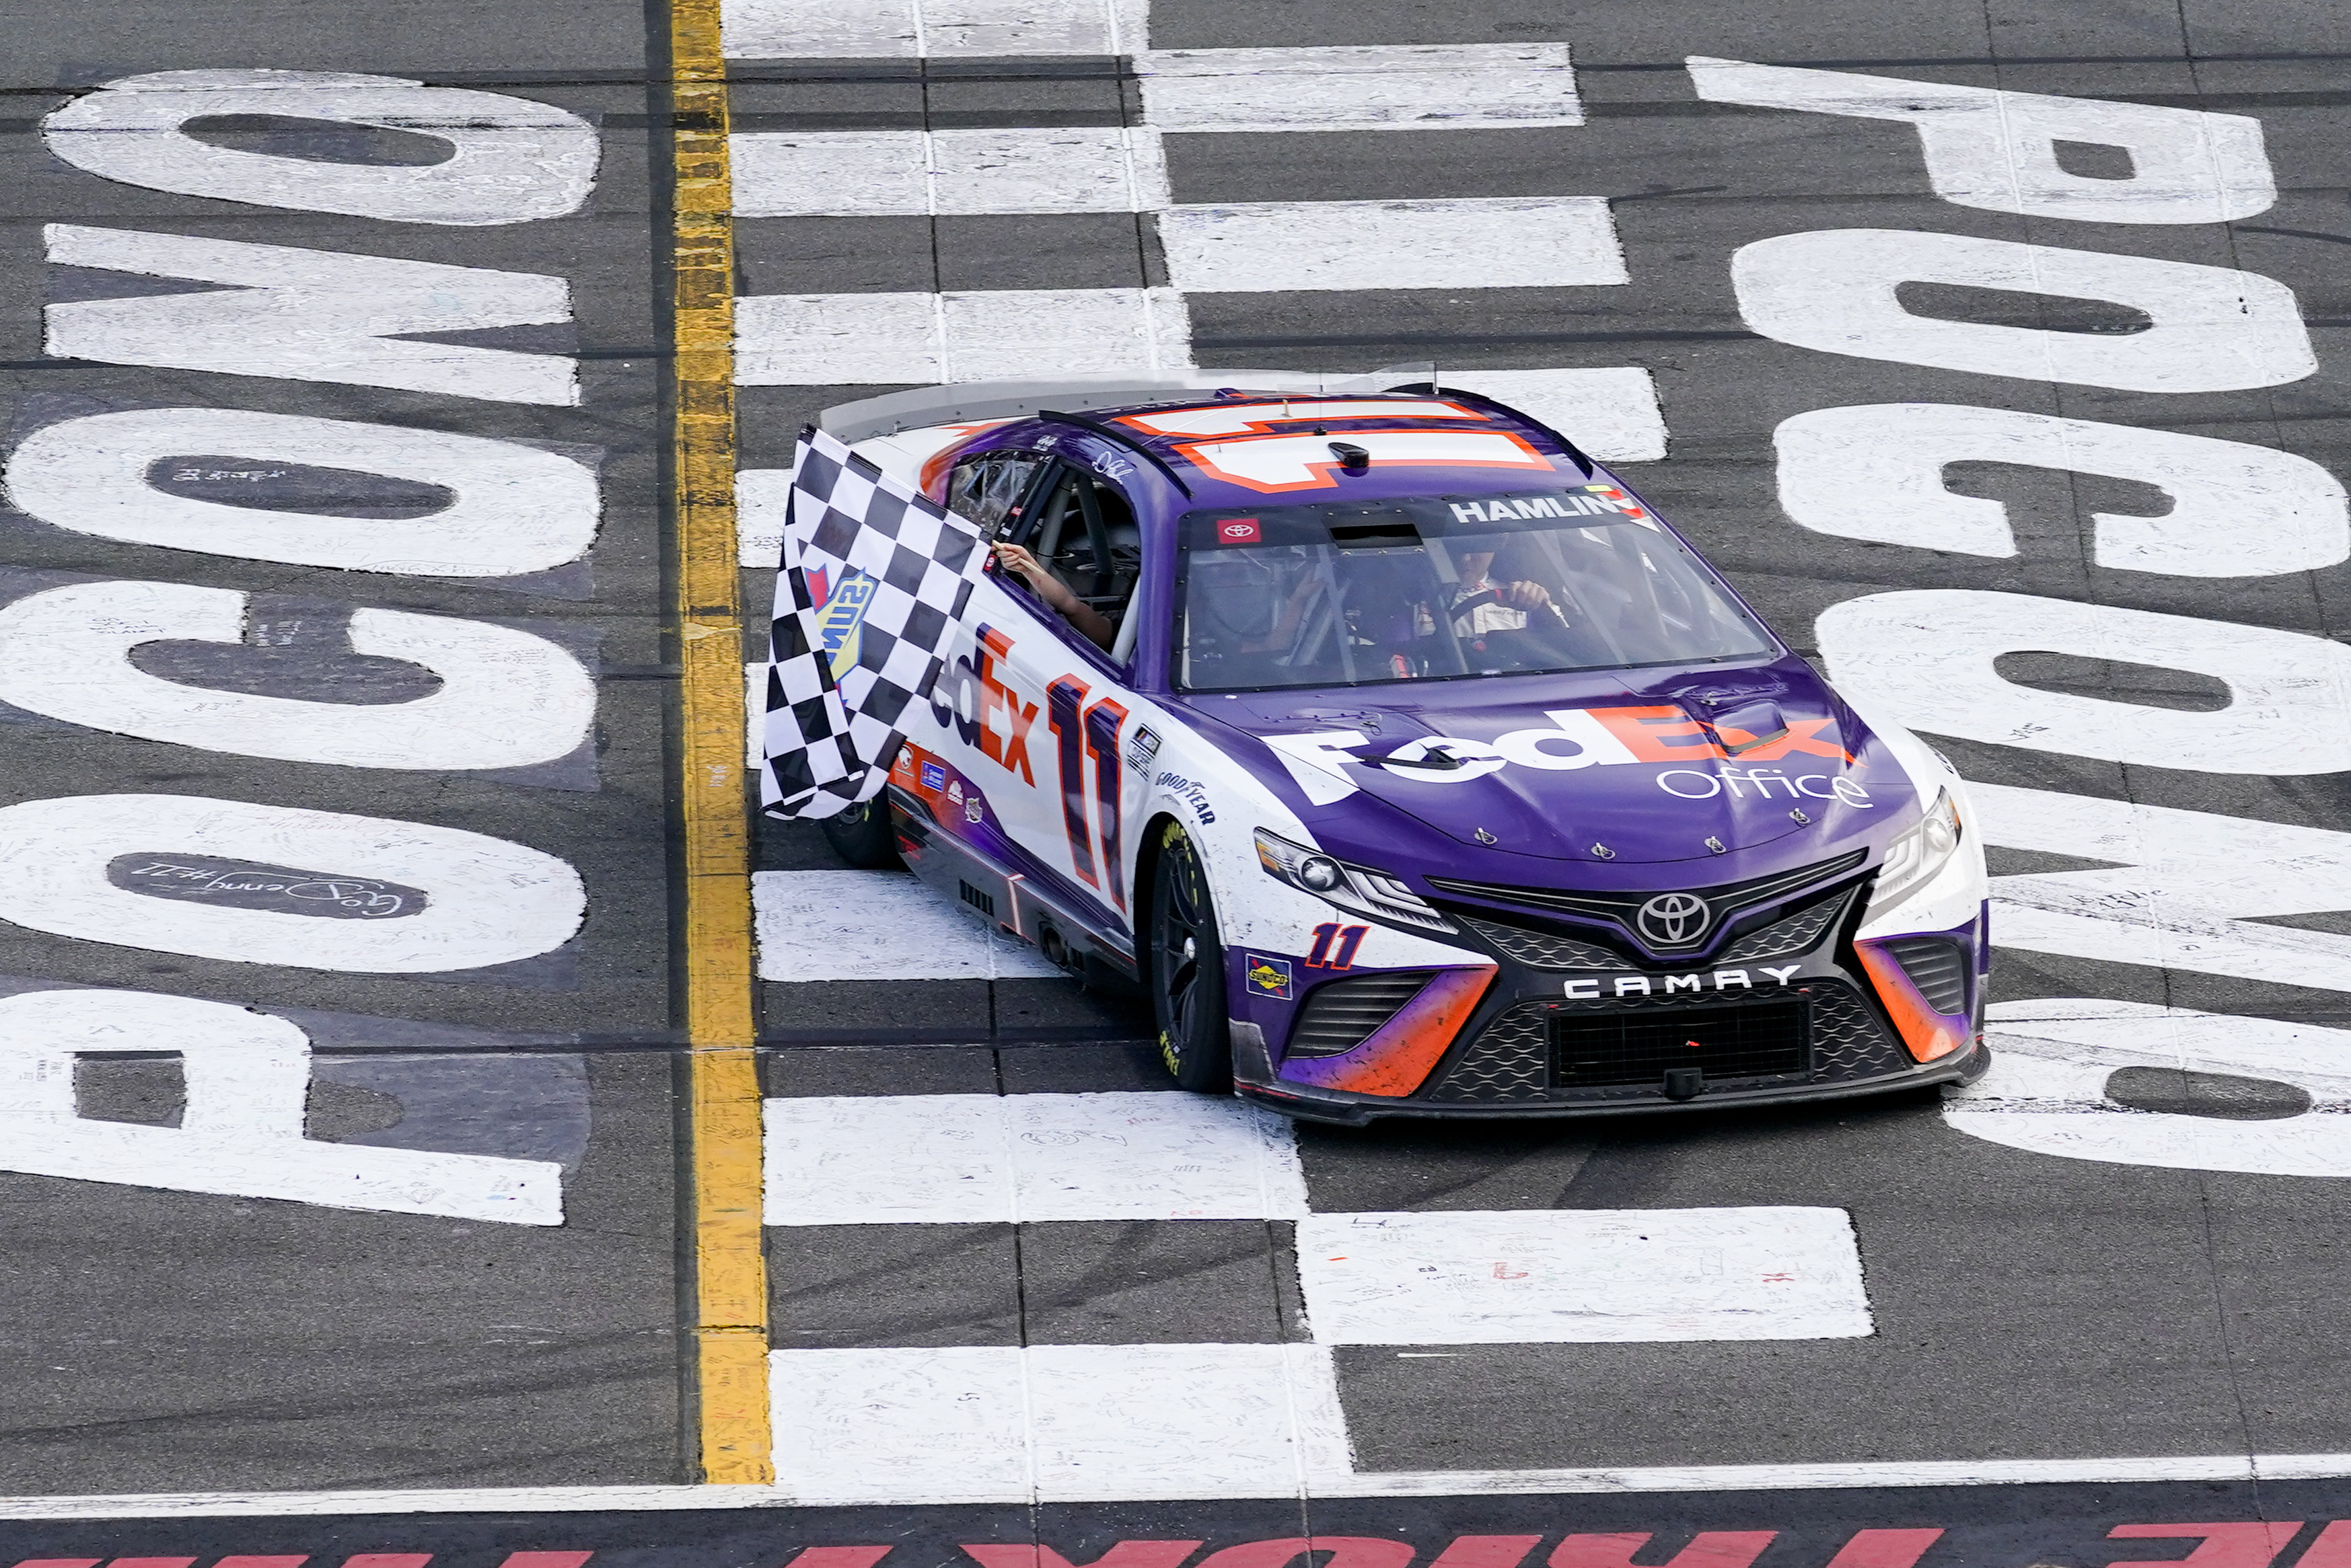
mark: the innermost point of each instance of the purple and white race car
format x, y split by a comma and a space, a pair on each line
1411, 763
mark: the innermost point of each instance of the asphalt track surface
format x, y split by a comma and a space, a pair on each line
2026, 1306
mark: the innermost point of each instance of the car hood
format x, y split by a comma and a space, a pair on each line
1681, 765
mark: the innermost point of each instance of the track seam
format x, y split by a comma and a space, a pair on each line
730, 1329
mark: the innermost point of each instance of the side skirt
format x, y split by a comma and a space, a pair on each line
1016, 903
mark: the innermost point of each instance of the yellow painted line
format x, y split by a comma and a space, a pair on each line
730, 1282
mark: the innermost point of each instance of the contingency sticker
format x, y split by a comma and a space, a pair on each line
1267, 976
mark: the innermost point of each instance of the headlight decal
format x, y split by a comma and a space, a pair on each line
1918, 856
1359, 889
1400, 1054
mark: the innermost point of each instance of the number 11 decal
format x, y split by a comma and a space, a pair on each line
1335, 946
1102, 723
1077, 732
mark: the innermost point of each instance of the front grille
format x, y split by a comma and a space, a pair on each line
1796, 933
1624, 909
1341, 1015
1510, 1061
1545, 949
1936, 967
1762, 1041
1848, 1041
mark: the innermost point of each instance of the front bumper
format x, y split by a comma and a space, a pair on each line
1517, 1054
1357, 1110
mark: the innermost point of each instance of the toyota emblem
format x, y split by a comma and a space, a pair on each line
1674, 920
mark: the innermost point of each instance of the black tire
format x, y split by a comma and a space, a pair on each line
863, 834
1186, 971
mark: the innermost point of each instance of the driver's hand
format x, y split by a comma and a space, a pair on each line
1012, 557
1525, 596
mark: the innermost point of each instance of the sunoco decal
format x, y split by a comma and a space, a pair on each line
1267, 976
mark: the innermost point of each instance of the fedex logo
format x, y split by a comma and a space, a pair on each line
1583, 738
984, 709
1010, 746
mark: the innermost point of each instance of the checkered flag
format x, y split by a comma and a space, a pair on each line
874, 575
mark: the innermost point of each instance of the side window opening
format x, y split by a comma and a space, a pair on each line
1084, 532
965, 483
987, 488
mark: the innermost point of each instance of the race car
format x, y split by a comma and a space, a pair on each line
1410, 763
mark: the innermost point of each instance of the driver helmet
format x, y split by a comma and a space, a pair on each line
1240, 591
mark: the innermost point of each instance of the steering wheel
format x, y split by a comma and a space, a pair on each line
1547, 628
1476, 601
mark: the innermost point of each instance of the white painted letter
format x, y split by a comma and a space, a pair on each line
487, 901
1999, 149
1315, 762
1927, 654
777, 29
2215, 329
514, 509
511, 159
1876, 472
2188, 890
1468, 241
1591, 741
507, 698
2046, 1091
247, 1076
309, 316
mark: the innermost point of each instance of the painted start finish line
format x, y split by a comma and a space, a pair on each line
2117, 1528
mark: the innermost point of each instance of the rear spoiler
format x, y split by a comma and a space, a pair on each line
972, 402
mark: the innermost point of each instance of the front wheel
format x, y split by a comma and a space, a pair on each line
864, 836
1188, 971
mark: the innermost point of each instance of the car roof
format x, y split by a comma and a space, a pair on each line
1240, 448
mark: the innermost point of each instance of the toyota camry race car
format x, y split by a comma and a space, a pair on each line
1413, 763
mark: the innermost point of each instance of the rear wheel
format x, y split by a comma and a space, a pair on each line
863, 834
1187, 970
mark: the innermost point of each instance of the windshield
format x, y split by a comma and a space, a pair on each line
1350, 594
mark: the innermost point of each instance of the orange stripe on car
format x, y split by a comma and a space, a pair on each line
1929, 1035
1401, 1053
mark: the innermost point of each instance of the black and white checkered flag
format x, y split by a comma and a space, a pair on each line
875, 576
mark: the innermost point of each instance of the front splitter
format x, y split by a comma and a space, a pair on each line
1361, 1110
